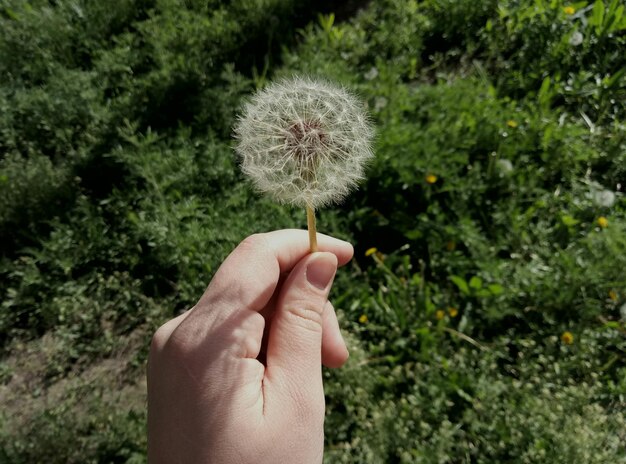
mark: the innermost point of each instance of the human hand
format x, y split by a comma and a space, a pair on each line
238, 378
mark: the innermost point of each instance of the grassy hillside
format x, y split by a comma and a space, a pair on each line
489, 325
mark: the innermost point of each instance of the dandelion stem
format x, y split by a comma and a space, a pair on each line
310, 220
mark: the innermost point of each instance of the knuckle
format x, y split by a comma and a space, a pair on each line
254, 241
159, 339
163, 334
305, 314
183, 341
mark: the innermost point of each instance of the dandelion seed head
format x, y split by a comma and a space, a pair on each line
576, 39
304, 142
603, 198
371, 74
504, 166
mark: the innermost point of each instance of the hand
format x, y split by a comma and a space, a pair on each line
238, 378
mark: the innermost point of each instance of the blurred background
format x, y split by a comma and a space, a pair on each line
485, 309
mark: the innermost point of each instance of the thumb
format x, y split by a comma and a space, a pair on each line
294, 350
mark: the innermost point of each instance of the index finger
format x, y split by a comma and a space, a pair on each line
249, 275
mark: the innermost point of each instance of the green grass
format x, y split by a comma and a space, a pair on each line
120, 195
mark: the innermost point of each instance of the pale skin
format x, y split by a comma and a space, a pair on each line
238, 377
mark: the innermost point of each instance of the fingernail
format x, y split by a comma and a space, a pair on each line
321, 270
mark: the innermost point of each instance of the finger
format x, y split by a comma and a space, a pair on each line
334, 350
249, 275
295, 339
163, 333
245, 282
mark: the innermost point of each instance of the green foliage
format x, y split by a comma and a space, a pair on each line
488, 326
107, 427
577, 47
468, 405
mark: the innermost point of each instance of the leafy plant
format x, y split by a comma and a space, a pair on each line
485, 307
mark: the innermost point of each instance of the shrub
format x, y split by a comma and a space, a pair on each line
487, 326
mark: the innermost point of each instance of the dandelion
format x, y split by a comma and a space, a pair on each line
511, 123
603, 222
504, 166
576, 39
567, 338
440, 314
380, 103
304, 142
569, 10
363, 319
453, 312
603, 198
431, 178
371, 74
371, 251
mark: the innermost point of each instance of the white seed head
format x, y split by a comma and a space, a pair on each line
604, 198
304, 142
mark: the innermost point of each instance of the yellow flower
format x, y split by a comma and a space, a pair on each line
613, 295
431, 178
363, 319
453, 312
440, 314
567, 338
371, 251
569, 10
511, 123
451, 245
603, 222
